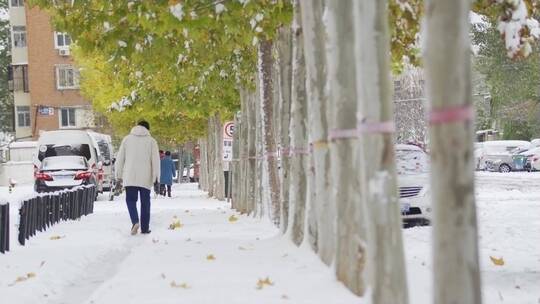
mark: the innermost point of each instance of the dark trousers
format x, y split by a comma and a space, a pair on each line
164, 189
132, 194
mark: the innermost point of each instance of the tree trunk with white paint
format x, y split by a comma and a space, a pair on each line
210, 157
203, 177
351, 232
298, 130
322, 207
219, 178
284, 50
252, 153
376, 161
243, 133
269, 139
181, 168
448, 73
235, 162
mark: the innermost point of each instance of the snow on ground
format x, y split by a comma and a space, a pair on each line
509, 228
97, 261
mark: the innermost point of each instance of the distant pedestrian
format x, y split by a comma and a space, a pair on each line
168, 172
137, 167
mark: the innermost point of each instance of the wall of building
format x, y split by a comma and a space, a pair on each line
22, 99
17, 17
42, 61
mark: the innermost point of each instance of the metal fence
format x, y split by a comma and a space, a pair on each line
4, 228
41, 212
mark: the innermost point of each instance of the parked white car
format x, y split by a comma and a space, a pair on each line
69, 143
105, 148
412, 165
491, 151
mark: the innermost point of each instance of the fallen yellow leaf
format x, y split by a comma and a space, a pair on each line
175, 225
30, 275
56, 237
176, 285
266, 282
210, 257
20, 279
233, 218
497, 261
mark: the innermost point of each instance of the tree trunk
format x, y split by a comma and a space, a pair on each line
270, 147
252, 153
285, 63
244, 161
181, 168
210, 154
298, 130
202, 165
448, 73
234, 169
386, 263
261, 175
323, 208
351, 231
219, 178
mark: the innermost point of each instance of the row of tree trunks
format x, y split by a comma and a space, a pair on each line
335, 187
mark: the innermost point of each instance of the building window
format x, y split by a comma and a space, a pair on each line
19, 36
67, 77
23, 116
67, 118
17, 3
62, 40
18, 78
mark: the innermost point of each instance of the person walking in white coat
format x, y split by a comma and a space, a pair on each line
137, 169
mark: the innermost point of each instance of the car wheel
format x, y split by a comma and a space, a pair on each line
504, 168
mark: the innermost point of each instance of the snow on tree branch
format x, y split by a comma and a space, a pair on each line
518, 29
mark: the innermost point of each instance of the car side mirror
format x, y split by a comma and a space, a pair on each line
107, 162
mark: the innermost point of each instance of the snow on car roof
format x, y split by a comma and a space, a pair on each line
507, 143
23, 144
64, 136
408, 147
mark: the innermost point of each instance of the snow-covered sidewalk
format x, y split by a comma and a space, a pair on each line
211, 258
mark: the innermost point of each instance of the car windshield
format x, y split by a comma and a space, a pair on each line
64, 150
104, 150
411, 161
64, 163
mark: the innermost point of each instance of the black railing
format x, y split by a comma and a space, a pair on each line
39, 213
4, 228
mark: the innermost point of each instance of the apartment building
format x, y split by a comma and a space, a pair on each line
43, 78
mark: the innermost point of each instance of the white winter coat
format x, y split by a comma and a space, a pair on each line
137, 161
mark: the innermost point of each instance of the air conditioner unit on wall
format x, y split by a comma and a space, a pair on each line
63, 52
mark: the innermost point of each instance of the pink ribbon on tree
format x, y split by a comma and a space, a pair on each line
342, 134
451, 114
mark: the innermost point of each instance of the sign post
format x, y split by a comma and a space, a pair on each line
228, 130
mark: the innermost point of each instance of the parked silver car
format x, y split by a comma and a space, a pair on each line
512, 161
